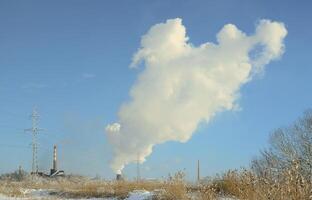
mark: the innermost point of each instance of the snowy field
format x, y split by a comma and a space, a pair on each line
45, 194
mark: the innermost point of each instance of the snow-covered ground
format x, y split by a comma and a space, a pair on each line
140, 195
45, 194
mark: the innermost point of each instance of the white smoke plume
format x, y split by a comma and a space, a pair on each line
182, 85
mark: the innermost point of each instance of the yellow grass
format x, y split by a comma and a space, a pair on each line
244, 184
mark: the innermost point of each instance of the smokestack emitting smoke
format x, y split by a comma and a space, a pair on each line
182, 84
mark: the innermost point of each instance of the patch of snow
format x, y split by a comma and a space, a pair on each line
40, 194
36, 192
140, 195
2, 197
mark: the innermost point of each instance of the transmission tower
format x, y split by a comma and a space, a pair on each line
35, 131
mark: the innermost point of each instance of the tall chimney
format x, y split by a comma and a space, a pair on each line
118, 177
54, 159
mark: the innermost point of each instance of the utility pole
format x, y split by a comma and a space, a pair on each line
34, 131
198, 172
20, 171
138, 167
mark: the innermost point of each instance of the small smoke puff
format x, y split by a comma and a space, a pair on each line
183, 85
113, 128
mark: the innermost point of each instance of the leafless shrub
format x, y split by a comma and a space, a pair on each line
174, 188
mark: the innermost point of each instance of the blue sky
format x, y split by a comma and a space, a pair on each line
70, 59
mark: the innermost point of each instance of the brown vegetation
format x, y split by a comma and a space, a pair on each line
243, 184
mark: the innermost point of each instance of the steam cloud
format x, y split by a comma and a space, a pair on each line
182, 84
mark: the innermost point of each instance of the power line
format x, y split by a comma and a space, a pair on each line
14, 146
10, 113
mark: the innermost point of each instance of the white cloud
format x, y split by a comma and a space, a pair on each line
183, 85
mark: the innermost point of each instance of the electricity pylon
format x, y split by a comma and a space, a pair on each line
35, 131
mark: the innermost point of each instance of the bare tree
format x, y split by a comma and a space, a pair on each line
287, 146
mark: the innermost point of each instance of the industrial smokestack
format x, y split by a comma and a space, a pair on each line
118, 177
54, 165
54, 171
54, 158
